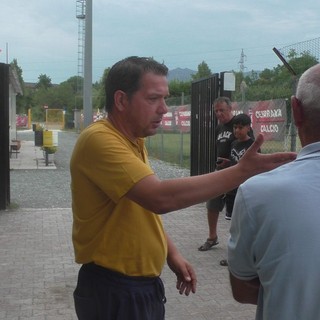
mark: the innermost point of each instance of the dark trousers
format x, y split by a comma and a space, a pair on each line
102, 294
230, 197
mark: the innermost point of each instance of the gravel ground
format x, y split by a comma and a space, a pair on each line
51, 188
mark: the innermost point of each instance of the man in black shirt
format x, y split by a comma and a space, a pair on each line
224, 137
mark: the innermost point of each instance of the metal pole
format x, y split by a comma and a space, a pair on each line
7, 53
181, 148
87, 83
4, 134
293, 132
46, 157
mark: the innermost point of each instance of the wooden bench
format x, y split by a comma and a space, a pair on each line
15, 146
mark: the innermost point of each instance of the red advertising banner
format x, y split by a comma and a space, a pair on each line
21, 121
177, 119
168, 122
183, 117
268, 117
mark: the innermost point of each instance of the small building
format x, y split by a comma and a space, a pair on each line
14, 90
9, 88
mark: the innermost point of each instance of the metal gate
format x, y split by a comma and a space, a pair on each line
203, 123
4, 134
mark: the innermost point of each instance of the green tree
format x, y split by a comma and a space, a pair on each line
180, 92
99, 97
275, 83
203, 71
75, 83
176, 87
73, 86
22, 99
62, 96
17, 68
44, 82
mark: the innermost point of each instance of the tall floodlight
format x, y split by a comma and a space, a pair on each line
81, 15
87, 81
85, 15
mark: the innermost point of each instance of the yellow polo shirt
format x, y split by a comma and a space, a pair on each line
108, 228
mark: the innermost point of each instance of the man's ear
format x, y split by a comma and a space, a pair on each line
120, 100
297, 111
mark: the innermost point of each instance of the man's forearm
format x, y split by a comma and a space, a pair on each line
245, 291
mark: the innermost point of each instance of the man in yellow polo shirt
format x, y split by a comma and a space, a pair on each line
117, 200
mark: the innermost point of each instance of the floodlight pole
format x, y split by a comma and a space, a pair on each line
87, 79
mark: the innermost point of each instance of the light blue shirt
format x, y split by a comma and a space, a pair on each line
275, 235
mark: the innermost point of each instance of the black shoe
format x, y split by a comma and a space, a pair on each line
228, 215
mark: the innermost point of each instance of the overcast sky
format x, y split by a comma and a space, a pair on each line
43, 34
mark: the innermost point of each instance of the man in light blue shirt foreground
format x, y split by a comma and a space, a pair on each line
273, 251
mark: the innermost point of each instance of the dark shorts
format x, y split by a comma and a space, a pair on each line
217, 204
102, 294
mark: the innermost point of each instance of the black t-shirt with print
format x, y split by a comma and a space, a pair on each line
224, 138
238, 149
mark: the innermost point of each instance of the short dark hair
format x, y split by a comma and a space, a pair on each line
242, 119
126, 75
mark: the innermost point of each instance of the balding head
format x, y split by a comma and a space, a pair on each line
306, 105
308, 89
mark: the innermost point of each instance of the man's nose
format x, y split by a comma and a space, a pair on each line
163, 108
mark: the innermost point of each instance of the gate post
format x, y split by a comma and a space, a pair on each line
203, 120
4, 134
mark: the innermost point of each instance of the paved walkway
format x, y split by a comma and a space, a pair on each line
38, 273
30, 157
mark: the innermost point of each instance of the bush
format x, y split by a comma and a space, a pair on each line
50, 150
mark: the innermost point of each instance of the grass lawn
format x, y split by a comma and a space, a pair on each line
175, 147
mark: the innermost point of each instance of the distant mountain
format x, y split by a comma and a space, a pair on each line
180, 74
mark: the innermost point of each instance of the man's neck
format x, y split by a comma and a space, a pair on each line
118, 125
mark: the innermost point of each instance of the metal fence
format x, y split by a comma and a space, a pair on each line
311, 46
195, 150
175, 147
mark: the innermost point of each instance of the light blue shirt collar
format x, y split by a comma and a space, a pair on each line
309, 151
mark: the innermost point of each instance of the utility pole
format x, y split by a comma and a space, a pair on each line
81, 16
84, 15
243, 57
87, 82
292, 129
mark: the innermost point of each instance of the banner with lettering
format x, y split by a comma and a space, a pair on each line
168, 121
268, 117
177, 119
182, 116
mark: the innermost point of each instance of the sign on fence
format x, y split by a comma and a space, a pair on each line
177, 119
268, 117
